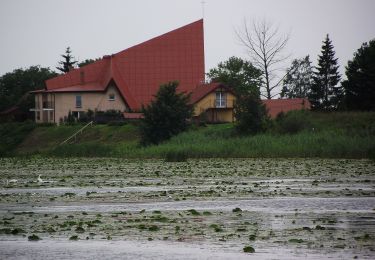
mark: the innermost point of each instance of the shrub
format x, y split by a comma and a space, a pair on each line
251, 114
293, 122
177, 156
104, 117
166, 116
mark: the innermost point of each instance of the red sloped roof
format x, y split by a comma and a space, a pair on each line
275, 106
140, 70
202, 90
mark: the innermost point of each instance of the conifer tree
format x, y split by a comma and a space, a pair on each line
166, 115
325, 94
68, 63
360, 84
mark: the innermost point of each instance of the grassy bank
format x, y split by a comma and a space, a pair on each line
12, 134
302, 134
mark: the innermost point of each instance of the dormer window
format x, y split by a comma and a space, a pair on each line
221, 99
111, 97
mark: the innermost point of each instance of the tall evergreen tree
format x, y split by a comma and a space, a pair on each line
166, 115
68, 63
325, 94
299, 79
360, 85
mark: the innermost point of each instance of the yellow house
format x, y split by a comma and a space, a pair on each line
54, 105
213, 103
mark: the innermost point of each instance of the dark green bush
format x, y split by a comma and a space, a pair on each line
104, 117
293, 122
166, 116
13, 134
177, 156
251, 115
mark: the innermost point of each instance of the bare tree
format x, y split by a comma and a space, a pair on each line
265, 47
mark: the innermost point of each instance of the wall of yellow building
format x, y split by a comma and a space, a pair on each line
222, 114
65, 102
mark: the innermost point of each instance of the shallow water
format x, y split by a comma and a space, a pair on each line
272, 205
148, 250
294, 209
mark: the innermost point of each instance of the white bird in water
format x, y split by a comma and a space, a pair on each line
40, 179
168, 196
11, 181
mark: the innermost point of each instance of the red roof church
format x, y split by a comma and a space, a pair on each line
128, 79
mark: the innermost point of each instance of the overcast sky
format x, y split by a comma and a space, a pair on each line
36, 32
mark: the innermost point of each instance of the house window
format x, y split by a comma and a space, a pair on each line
78, 101
51, 115
111, 97
221, 99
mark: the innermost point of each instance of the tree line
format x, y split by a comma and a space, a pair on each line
249, 79
16, 85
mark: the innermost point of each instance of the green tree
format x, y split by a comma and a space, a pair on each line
14, 87
360, 84
239, 74
68, 63
251, 114
87, 61
166, 115
245, 80
298, 80
325, 94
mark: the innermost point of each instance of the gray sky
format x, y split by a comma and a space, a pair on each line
36, 32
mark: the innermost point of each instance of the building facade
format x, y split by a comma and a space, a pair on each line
128, 80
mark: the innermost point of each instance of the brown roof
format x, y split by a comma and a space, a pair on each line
275, 106
140, 70
203, 90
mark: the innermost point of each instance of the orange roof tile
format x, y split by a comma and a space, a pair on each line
275, 106
140, 70
202, 90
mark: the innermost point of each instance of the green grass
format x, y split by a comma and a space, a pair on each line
12, 134
323, 135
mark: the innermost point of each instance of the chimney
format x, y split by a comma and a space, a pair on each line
82, 77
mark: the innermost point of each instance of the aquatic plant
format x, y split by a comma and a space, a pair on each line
194, 212
249, 249
153, 228
236, 210
296, 240
74, 238
33, 238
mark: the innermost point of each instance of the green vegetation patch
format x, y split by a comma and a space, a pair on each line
249, 249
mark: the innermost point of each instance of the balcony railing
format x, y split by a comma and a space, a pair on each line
215, 104
219, 103
47, 104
